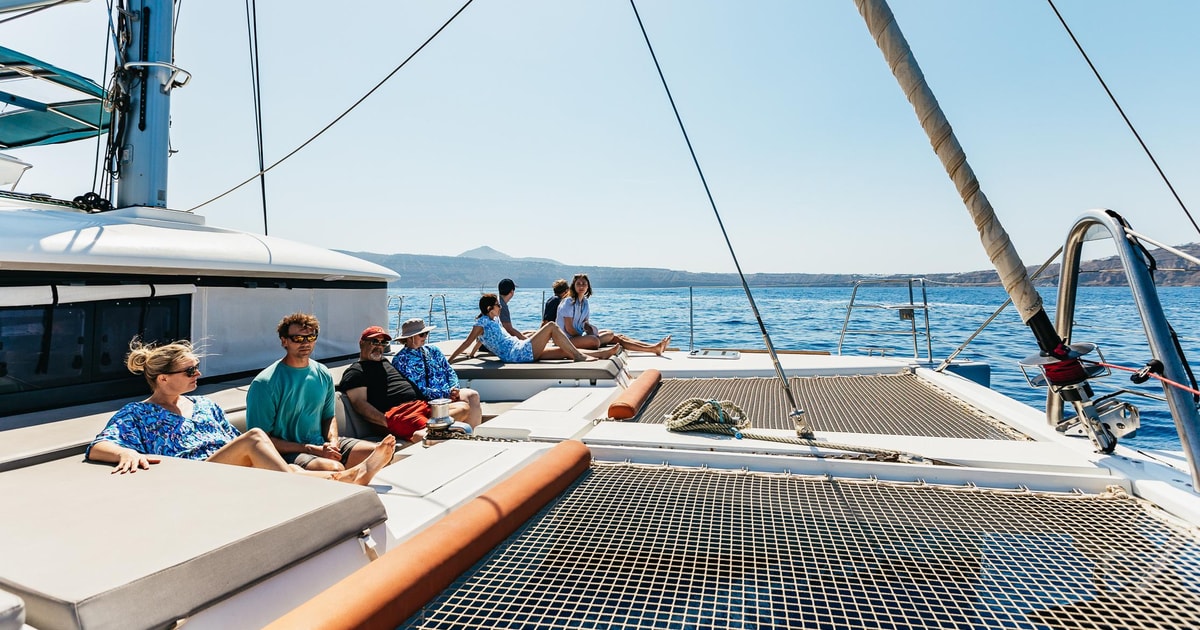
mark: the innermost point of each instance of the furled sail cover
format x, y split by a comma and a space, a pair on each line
27, 122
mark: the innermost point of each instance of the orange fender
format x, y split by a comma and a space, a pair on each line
389, 590
631, 400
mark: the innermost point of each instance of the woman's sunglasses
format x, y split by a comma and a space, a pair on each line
190, 371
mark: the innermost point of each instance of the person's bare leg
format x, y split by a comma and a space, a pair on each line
559, 353
563, 341
540, 338
324, 464
380, 456
606, 353
252, 449
360, 452
631, 344
564, 350
586, 342
475, 415
467, 408
605, 337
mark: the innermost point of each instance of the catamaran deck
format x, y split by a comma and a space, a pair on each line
658, 546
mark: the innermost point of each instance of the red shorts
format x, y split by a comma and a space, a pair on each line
405, 419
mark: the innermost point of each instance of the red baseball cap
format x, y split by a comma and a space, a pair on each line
375, 332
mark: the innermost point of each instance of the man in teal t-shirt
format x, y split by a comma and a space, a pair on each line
293, 398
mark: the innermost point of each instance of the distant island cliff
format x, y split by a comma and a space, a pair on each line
483, 267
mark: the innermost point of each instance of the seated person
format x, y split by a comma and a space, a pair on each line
428, 368
193, 427
506, 290
550, 311
573, 319
512, 350
293, 401
382, 395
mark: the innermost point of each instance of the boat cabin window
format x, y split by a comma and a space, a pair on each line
57, 355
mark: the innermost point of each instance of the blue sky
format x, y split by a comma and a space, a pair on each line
539, 128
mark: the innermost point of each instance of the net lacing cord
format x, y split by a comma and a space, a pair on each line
725, 417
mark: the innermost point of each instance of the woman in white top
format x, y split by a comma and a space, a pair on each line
574, 319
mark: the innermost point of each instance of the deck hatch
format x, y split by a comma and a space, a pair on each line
883, 404
635, 546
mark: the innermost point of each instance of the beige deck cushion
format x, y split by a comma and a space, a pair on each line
487, 366
88, 549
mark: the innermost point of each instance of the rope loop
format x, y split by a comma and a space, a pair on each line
709, 415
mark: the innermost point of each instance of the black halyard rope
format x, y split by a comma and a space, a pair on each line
339, 118
801, 426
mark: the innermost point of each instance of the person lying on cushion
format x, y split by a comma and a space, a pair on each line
168, 423
512, 350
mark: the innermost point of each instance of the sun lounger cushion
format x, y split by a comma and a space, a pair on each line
489, 367
85, 548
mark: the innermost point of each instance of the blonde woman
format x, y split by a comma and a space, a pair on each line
170, 423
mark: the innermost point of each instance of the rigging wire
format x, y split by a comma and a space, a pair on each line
1121, 111
963, 346
352, 107
96, 167
801, 426
256, 81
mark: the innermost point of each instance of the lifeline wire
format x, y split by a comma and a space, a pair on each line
801, 426
345, 113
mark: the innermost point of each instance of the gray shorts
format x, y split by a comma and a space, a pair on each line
345, 445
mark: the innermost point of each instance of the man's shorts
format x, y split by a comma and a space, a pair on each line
345, 445
407, 418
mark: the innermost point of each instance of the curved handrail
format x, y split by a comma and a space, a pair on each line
1090, 226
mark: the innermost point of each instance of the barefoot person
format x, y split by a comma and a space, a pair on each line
170, 424
512, 350
573, 319
380, 394
293, 400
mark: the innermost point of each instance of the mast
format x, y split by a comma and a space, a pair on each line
146, 140
1059, 362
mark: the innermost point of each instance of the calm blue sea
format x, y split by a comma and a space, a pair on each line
811, 319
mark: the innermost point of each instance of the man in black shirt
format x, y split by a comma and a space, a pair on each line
380, 394
550, 311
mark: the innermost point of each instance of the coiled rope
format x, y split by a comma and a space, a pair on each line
701, 415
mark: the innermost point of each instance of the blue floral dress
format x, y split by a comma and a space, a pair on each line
152, 430
428, 368
505, 346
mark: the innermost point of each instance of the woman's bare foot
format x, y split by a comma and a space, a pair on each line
608, 353
363, 473
661, 347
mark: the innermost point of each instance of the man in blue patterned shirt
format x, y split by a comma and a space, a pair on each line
427, 367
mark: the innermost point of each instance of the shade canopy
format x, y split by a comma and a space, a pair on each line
29, 122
